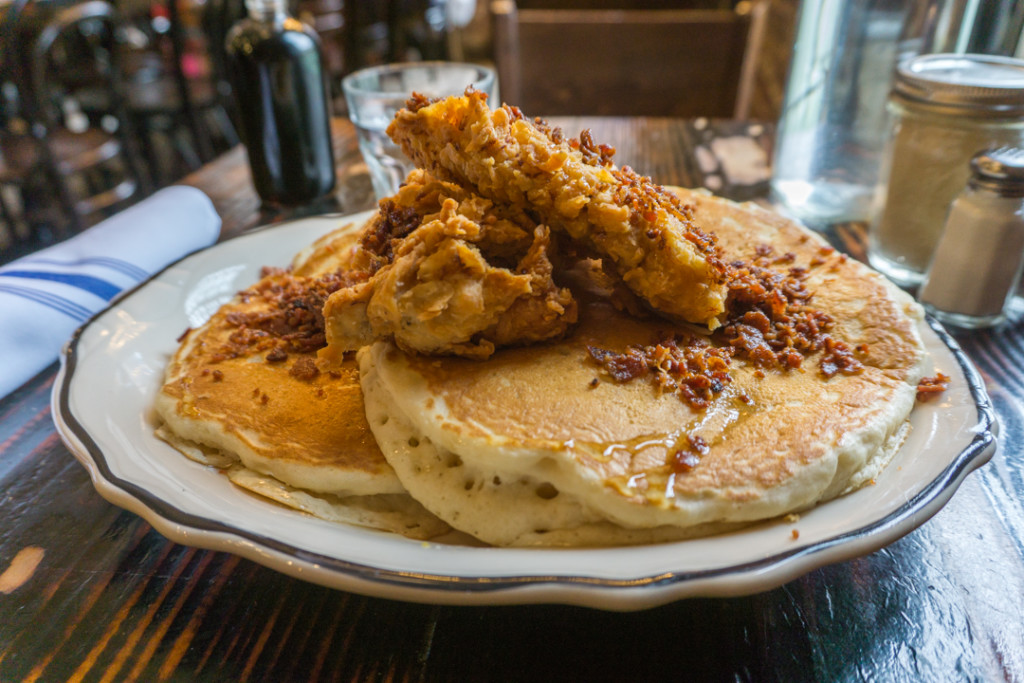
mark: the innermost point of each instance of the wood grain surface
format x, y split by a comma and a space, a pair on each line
89, 592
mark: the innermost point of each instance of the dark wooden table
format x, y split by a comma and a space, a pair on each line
90, 592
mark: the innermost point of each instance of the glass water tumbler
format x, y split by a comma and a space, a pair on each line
832, 131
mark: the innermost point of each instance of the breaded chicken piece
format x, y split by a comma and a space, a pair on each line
646, 233
451, 277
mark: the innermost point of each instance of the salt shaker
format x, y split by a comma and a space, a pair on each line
980, 255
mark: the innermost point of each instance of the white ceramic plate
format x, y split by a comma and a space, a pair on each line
113, 367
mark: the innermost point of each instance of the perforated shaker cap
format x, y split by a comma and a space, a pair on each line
1000, 170
974, 84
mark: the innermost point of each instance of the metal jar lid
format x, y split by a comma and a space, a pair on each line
974, 84
999, 170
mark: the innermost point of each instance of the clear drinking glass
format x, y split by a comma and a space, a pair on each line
833, 127
374, 95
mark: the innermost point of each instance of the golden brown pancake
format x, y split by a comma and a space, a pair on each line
310, 433
336, 250
540, 446
237, 396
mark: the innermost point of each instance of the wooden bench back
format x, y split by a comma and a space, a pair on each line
627, 62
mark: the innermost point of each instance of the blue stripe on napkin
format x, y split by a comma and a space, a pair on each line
124, 267
57, 303
94, 285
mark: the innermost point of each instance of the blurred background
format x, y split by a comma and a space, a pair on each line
102, 102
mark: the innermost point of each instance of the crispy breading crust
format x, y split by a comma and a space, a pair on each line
454, 277
571, 185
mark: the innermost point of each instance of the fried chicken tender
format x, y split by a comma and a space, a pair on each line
572, 185
450, 277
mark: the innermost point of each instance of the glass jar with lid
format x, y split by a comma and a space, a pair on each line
945, 108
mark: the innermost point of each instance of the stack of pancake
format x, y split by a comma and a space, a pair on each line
533, 347
277, 426
537, 445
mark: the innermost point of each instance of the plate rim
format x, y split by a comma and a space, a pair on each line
640, 592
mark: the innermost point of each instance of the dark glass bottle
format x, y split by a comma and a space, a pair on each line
276, 70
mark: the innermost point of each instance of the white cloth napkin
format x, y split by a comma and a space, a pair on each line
45, 296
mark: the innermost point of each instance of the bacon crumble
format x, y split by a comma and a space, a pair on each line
685, 459
769, 322
593, 153
304, 369
294, 322
686, 365
393, 223
417, 101
930, 387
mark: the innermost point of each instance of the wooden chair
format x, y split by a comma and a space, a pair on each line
88, 169
36, 203
189, 112
14, 227
673, 62
217, 19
